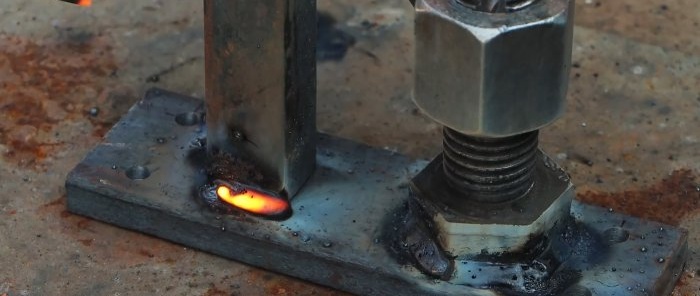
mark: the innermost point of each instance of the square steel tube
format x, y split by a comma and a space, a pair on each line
261, 86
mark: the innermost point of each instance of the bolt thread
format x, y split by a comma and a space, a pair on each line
490, 169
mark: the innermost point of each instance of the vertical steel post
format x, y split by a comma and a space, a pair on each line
261, 86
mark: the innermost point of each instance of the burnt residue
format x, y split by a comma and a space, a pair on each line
668, 201
333, 43
530, 251
575, 242
224, 166
223, 169
203, 188
551, 268
412, 240
555, 285
425, 250
549, 264
206, 193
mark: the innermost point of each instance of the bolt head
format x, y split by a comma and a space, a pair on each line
493, 74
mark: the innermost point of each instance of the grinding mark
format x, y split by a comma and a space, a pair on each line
45, 85
669, 201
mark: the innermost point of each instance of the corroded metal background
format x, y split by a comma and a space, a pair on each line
629, 136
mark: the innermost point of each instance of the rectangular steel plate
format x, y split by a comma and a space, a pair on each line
334, 237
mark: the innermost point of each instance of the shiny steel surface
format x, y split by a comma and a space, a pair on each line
493, 75
490, 170
494, 6
498, 227
261, 86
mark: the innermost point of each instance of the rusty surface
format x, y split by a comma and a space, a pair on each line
669, 24
632, 120
668, 202
46, 85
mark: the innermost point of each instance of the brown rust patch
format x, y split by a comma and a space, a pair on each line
65, 214
43, 85
687, 285
281, 285
214, 291
58, 206
169, 260
668, 202
61, 201
146, 253
86, 242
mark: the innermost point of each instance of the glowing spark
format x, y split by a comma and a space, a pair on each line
253, 201
79, 2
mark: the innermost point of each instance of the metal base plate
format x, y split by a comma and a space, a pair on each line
141, 178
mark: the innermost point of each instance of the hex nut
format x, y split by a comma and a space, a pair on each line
465, 228
493, 74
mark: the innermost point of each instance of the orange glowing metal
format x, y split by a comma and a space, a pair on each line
253, 201
79, 2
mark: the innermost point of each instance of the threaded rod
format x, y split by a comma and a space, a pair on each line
490, 169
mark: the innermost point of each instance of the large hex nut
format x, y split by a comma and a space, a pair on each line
493, 74
467, 229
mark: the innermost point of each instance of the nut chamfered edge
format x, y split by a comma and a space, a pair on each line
469, 78
500, 227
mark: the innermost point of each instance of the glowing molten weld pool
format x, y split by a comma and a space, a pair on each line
79, 2
253, 201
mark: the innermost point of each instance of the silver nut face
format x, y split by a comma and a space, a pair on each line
496, 228
458, 238
493, 74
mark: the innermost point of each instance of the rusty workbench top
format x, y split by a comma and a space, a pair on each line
630, 138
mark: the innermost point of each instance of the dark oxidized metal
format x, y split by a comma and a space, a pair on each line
348, 219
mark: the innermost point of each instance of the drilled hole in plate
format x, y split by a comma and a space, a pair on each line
187, 119
138, 172
616, 235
